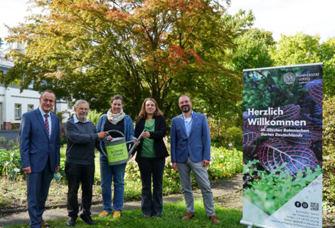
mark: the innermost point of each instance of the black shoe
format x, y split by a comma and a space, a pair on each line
88, 219
71, 222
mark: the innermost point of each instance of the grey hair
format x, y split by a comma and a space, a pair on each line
80, 102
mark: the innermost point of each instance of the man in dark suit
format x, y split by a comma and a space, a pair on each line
39, 149
190, 150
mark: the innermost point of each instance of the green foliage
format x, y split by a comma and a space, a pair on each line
2, 140
94, 116
62, 164
277, 187
224, 163
172, 218
302, 49
252, 50
224, 131
60, 116
10, 144
328, 161
10, 163
63, 138
154, 48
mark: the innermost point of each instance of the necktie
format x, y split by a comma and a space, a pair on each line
47, 123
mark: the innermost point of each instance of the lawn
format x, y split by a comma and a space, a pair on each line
172, 218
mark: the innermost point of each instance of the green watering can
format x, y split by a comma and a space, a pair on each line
117, 150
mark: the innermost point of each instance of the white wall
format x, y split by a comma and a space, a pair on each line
11, 96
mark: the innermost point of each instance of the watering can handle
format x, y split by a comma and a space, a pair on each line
102, 148
132, 148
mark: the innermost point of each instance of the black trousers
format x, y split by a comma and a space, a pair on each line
76, 174
152, 203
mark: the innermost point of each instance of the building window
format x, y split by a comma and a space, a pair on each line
30, 107
17, 111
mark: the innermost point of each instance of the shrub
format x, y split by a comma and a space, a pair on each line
10, 163
94, 116
225, 163
63, 138
328, 147
224, 132
2, 141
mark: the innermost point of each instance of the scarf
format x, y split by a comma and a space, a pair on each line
115, 118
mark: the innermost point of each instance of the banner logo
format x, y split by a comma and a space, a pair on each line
289, 78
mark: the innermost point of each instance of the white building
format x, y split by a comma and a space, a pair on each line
13, 103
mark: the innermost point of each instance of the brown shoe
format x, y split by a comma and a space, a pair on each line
214, 219
188, 216
44, 224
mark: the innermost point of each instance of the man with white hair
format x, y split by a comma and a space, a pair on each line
82, 138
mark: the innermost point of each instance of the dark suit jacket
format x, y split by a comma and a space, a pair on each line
157, 136
35, 143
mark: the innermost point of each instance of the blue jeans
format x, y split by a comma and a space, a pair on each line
108, 174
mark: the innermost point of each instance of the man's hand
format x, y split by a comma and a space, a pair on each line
56, 169
27, 170
205, 162
174, 165
130, 156
102, 134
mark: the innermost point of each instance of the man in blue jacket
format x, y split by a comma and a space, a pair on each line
39, 149
190, 150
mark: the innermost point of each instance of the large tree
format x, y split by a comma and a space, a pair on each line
302, 49
252, 50
155, 48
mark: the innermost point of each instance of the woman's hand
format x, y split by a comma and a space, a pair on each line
130, 156
109, 138
134, 140
146, 134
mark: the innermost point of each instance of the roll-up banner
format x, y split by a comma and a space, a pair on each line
282, 146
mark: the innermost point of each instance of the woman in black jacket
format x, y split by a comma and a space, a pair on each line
151, 153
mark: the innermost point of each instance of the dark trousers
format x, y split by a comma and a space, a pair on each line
76, 174
152, 203
37, 191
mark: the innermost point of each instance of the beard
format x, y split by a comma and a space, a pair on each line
82, 116
186, 108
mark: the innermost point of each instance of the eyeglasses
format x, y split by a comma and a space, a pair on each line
47, 100
83, 109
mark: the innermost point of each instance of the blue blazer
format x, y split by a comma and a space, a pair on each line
35, 143
197, 145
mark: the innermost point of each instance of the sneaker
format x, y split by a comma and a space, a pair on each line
117, 214
214, 219
88, 219
188, 216
146, 216
103, 214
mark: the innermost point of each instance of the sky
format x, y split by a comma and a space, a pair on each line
313, 17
